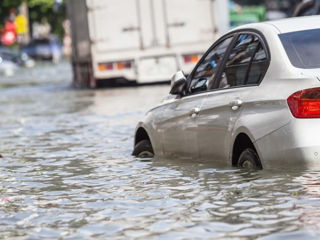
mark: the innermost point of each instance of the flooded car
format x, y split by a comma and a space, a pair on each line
16, 56
44, 49
253, 100
7, 67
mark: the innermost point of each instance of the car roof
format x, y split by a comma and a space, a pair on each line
288, 24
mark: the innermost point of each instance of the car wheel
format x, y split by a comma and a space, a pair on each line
249, 159
143, 149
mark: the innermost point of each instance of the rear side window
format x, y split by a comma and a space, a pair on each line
258, 66
302, 48
246, 63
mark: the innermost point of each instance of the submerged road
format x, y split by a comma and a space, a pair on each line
67, 173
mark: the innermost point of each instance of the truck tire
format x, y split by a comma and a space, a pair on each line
143, 149
249, 159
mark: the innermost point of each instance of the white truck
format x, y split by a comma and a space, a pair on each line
142, 41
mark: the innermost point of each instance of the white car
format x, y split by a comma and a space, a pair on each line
7, 68
253, 100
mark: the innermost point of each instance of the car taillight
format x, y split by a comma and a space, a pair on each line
191, 58
305, 103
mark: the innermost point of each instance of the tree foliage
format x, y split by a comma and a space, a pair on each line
45, 3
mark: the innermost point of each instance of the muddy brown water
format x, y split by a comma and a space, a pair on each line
67, 173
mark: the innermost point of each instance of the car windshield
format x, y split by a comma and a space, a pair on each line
303, 48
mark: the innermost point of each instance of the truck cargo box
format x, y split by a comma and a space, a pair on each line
141, 41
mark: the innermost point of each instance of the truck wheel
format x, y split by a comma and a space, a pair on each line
249, 159
143, 149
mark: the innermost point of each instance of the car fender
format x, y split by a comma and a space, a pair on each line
255, 129
148, 126
234, 135
144, 127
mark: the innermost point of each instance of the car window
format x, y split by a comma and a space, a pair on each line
245, 64
258, 66
205, 72
302, 48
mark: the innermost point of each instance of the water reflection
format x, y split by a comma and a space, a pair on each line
67, 173
258, 203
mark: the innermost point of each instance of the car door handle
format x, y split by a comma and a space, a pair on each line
195, 112
235, 104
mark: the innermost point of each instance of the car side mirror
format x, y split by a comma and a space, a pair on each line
178, 83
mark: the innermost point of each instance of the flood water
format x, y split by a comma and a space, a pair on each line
67, 173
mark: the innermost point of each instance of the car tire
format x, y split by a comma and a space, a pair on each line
249, 159
143, 149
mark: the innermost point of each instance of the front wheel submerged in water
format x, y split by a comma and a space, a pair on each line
249, 159
143, 149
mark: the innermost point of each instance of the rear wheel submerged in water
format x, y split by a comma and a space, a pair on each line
143, 149
249, 159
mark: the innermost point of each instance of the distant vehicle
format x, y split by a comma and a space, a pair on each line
253, 100
44, 49
7, 67
141, 41
247, 15
18, 57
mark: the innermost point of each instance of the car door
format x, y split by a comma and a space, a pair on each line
179, 129
231, 89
